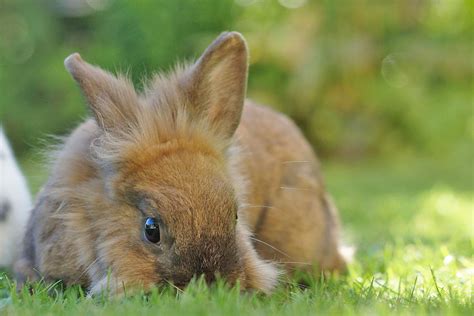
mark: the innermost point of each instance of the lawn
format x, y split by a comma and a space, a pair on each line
410, 220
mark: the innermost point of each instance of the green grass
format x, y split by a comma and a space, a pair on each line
411, 222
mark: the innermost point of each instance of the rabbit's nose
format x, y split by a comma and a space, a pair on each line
210, 278
182, 282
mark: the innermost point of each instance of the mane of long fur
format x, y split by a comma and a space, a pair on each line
163, 112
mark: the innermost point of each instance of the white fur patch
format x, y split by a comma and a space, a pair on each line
14, 193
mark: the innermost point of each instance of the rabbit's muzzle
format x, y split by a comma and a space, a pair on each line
210, 257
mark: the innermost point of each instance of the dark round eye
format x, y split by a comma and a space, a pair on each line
152, 230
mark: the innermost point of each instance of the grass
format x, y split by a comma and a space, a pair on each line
410, 220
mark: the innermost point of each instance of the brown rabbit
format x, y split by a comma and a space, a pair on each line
184, 179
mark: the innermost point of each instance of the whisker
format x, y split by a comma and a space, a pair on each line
272, 247
259, 206
292, 283
60, 207
286, 282
296, 262
294, 161
87, 269
303, 286
302, 189
177, 288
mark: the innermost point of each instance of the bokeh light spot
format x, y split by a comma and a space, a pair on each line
16, 42
393, 72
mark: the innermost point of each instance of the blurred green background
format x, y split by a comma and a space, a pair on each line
363, 79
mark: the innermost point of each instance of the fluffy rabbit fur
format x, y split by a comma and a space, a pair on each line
190, 151
15, 204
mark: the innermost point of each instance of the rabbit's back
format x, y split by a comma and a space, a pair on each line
290, 213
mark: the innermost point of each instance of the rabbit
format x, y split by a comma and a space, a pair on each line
15, 204
186, 178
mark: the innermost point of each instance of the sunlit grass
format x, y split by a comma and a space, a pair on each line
410, 221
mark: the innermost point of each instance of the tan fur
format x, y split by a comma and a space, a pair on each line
187, 149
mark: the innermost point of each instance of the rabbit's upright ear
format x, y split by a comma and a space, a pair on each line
112, 100
218, 81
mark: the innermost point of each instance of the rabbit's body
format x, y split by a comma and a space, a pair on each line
175, 155
288, 208
15, 204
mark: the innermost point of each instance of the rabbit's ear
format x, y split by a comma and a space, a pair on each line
112, 100
218, 81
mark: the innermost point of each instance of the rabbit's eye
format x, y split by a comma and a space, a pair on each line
152, 230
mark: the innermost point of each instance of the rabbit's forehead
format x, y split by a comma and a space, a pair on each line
184, 186
196, 205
